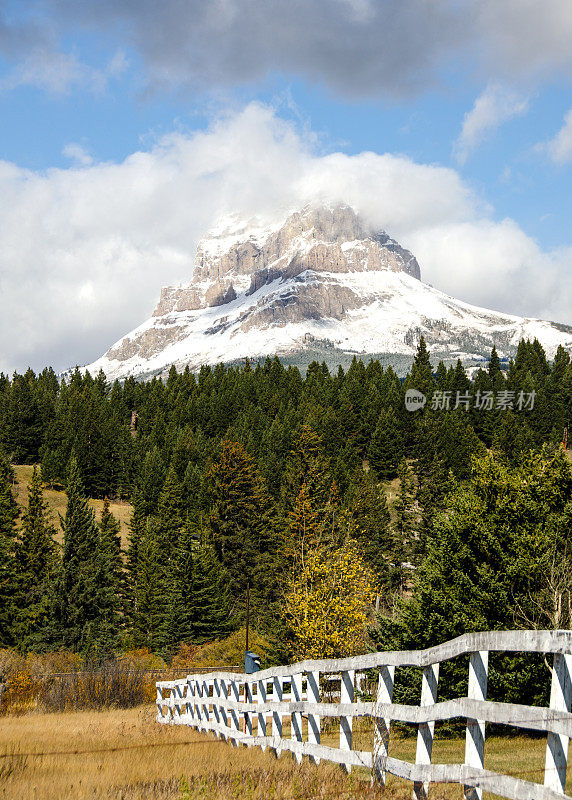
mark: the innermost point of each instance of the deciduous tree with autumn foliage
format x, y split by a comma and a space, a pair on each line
329, 604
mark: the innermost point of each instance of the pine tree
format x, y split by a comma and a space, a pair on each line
136, 532
406, 522
84, 609
201, 600
170, 511
8, 566
37, 561
386, 446
421, 375
241, 524
494, 370
370, 520
485, 566
150, 606
112, 561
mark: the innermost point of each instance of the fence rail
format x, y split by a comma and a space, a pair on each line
231, 705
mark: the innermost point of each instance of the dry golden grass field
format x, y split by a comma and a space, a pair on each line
126, 755
57, 501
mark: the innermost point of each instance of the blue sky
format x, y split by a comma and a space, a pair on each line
467, 98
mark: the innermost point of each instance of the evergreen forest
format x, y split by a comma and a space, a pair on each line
459, 512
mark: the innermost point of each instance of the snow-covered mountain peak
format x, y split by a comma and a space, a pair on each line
317, 280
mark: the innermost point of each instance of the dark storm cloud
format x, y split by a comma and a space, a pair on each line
19, 36
356, 47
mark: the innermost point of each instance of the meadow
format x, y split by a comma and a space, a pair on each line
56, 500
126, 755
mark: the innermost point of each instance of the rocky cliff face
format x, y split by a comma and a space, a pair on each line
322, 239
320, 282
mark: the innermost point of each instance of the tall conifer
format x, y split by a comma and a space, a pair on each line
8, 567
37, 560
85, 611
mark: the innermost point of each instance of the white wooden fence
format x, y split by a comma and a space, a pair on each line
230, 705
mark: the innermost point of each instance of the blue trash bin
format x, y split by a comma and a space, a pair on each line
251, 662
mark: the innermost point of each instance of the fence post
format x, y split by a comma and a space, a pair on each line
347, 682
224, 709
234, 714
248, 698
159, 703
198, 699
190, 700
276, 715
382, 725
216, 706
261, 698
475, 737
296, 716
313, 684
557, 743
186, 705
177, 703
193, 685
206, 703
426, 730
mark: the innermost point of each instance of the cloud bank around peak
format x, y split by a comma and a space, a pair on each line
85, 250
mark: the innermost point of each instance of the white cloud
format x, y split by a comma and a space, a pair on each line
496, 105
58, 73
78, 154
560, 148
83, 252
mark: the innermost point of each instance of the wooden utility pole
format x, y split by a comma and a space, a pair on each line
247, 615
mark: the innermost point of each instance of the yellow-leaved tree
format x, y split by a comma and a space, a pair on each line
328, 604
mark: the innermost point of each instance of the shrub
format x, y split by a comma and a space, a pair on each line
61, 681
114, 684
224, 653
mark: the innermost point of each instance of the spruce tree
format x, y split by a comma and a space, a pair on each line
421, 375
370, 521
386, 447
8, 566
241, 524
170, 511
84, 607
192, 490
150, 606
406, 523
485, 567
307, 464
201, 599
494, 370
112, 562
37, 560
151, 480
136, 532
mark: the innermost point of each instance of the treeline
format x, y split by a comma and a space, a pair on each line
359, 415
237, 472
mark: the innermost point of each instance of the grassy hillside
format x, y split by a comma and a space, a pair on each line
57, 501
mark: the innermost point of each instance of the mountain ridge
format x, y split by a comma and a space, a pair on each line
320, 276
